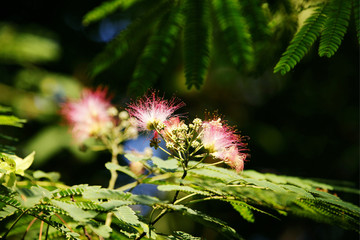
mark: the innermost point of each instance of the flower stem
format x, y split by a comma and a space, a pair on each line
112, 181
165, 211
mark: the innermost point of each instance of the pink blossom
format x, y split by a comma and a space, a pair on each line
223, 143
89, 115
152, 110
234, 158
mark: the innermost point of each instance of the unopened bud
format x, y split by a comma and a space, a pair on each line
112, 111
123, 115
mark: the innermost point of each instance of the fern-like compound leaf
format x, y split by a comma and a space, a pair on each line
255, 18
157, 52
212, 222
187, 189
127, 215
107, 8
234, 31
196, 42
335, 27
127, 39
302, 41
75, 212
356, 9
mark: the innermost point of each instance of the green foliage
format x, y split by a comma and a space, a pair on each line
234, 30
330, 20
212, 222
84, 206
335, 27
190, 21
157, 52
84, 211
178, 235
106, 9
356, 9
256, 20
302, 41
196, 41
8, 120
242, 25
124, 42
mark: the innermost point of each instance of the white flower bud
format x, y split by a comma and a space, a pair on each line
112, 111
197, 121
170, 145
123, 115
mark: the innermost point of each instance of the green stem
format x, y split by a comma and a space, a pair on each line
19, 217
166, 210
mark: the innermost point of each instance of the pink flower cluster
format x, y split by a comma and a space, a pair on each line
151, 110
223, 143
214, 136
88, 116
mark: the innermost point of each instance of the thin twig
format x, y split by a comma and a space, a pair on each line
86, 233
29, 226
41, 229
63, 221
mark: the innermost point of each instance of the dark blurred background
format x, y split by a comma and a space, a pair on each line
305, 123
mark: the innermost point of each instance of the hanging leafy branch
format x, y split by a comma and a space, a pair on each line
238, 23
196, 41
157, 52
235, 32
335, 27
189, 21
330, 22
302, 41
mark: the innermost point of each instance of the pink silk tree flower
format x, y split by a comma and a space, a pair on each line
151, 111
88, 116
234, 158
223, 143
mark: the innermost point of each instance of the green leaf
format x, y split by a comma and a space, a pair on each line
245, 212
73, 191
117, 167
76, 213
112, 204
101, 230
52, 176
335, 27
182, 189
302, 41
145, 200
167, 165
106, 194
356, 9
179, 235
30, 197
234, 31
157, 52
135, 158
196, 42
214, 223
127, 215
106, 9
7, 211
255, 18
11, 121
127, 39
